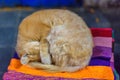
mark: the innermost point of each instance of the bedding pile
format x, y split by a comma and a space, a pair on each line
101, 66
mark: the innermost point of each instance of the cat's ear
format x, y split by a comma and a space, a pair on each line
24, 59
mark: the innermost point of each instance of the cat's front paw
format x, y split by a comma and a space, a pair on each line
24, 59
46, 59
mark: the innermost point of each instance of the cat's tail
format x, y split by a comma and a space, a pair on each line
53, 68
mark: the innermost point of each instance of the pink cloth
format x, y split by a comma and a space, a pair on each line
103, 41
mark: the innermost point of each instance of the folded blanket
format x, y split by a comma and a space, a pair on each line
101, 66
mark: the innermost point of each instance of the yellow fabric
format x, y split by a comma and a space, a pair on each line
98, 72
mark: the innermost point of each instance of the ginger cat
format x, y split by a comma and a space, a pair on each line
54, 40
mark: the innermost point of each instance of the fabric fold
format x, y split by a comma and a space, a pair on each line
88, 72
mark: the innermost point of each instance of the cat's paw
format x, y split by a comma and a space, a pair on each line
24, 59
46, 59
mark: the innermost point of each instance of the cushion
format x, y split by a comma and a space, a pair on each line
101, 65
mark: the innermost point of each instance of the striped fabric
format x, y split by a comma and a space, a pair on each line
101, 66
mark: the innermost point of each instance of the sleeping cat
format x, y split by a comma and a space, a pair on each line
54, 40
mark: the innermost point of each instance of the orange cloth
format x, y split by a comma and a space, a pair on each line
97, 72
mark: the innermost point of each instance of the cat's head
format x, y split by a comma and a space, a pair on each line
32, 51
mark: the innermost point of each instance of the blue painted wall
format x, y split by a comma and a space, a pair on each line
40, 3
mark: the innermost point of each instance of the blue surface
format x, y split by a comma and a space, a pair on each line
67, 2
117, 34
7, 53
50, 3
32, 3
7, 36
9, 18
12, 3
40, 3
1, 75
90, 18
24, 14
1, 3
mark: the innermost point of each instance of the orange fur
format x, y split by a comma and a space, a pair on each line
64, 40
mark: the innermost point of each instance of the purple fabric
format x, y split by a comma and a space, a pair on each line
112, 65
100, 61
102, 51
101, 56
13, 75
16, 56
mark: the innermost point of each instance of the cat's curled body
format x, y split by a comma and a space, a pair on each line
54, 40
